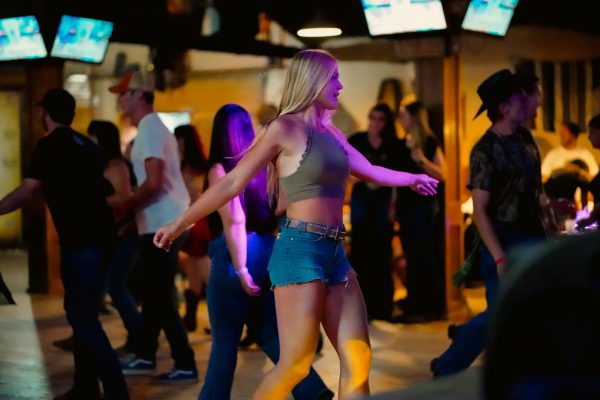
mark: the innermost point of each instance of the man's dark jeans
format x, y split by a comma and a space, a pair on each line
470, 340
82, 272
159, 303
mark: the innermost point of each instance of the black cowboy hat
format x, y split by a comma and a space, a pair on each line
497, 88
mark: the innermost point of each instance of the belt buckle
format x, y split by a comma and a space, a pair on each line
336, 232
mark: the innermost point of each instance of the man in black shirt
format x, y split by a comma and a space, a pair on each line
505, 184
67, 167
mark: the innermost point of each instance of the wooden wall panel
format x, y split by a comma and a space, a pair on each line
205, 93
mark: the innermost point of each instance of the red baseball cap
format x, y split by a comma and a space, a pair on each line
134, 80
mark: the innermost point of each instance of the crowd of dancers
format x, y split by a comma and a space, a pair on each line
260, 222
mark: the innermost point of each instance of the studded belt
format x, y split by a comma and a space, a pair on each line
335, 233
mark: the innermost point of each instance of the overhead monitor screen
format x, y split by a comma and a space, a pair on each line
82, 39
20, 39
489, 16
387, 17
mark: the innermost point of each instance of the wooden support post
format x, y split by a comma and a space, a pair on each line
38, 230
457, 310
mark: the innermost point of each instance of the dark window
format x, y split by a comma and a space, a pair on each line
581, 83
595, 73
549, 105
565, 86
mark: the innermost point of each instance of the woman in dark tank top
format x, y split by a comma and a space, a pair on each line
239, 285
372, 229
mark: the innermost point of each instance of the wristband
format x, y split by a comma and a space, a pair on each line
499, 260
240, 271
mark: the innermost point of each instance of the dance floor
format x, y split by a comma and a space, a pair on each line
31, 368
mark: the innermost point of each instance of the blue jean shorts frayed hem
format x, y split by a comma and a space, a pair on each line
301, 257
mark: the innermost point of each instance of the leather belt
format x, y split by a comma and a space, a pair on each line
335, 233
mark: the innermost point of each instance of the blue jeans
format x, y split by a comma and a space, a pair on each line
117, 275
470, 339
228, 309
82, 273
159, 303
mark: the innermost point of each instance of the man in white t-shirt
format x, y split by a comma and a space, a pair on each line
160, 198
568, 151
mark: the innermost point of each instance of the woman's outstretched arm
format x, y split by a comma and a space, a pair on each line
364, 170
217, 195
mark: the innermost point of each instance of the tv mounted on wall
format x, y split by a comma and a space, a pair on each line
82, 39
20, 39
388, 17
489, 16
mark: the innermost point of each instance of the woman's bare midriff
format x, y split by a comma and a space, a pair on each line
321, 210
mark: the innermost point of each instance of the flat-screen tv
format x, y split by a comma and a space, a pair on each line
20, 39
388, 17
489, 16
173, 119
82, 39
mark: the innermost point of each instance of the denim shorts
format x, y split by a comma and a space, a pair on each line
300, 257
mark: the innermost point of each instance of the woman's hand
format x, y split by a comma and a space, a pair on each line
168, 233
424, 185
248, 283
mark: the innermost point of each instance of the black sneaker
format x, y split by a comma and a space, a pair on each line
177, 375
138, 366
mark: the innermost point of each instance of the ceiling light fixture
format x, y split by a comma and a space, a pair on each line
318, 28
319, 31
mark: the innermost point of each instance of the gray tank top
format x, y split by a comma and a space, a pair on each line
323, 170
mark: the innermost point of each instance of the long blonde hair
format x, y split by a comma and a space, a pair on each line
309, 72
